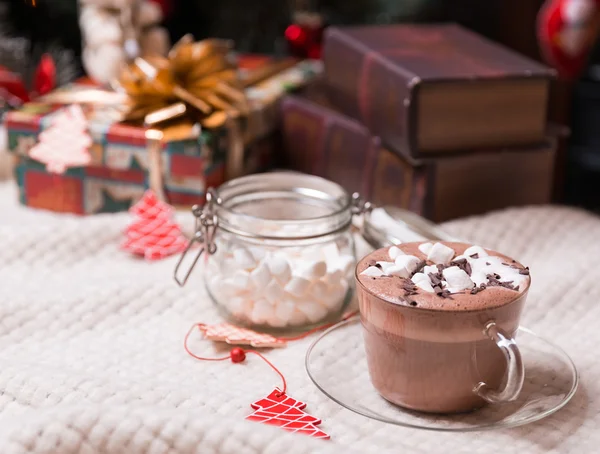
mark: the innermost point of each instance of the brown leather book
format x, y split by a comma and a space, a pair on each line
434, 89
324, 142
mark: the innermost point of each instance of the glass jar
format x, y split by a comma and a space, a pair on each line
281, 249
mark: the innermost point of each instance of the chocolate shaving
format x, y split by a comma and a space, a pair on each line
524, 271
442, 293
436, 279
476, 290
474, 256
409, 288
422, 264
468, 269
463, 265
446, 294
494, 282
488, 263
441, 267
378, 265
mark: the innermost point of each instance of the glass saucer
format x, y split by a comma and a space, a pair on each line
336, 363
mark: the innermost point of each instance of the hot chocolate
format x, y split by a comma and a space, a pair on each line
424, 308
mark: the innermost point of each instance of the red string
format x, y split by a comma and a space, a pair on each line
274, 368
260, 355
192, 354
223, 358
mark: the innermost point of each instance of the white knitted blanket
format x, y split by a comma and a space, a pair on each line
91, 356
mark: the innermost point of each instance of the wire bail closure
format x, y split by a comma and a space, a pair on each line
206, 225
361, 207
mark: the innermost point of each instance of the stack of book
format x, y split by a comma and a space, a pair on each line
433, 118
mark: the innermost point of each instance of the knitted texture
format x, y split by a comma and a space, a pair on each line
92, 359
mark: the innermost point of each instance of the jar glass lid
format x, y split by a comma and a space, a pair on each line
285, 205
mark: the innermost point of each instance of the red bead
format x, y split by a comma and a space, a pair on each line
237, 354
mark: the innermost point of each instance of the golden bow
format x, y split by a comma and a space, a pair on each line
197, 77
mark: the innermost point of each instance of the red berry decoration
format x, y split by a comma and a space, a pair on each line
305, 35
296, 35
237, 354
45, 76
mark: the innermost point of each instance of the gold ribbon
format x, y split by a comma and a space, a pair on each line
197, 78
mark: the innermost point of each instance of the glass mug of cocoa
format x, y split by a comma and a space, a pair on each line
439, 322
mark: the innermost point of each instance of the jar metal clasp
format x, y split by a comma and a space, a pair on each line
206, 225
362, 208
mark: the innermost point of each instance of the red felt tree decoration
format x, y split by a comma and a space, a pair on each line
154, 235
278, 409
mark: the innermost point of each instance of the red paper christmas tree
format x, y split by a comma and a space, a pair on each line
65, 143
154, 235
234, 335
278, 409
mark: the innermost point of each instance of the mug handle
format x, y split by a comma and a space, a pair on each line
515, 369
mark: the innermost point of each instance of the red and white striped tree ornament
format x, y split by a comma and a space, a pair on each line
153, 235
279, 409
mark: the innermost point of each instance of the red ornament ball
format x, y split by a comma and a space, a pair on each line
237, 355
296, 35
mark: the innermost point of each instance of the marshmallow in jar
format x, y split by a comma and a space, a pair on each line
281, 287
285, 254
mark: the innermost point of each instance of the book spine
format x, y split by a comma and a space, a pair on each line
371, 88
303, 129
398, 183
317, 140
346, 153
504, 178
